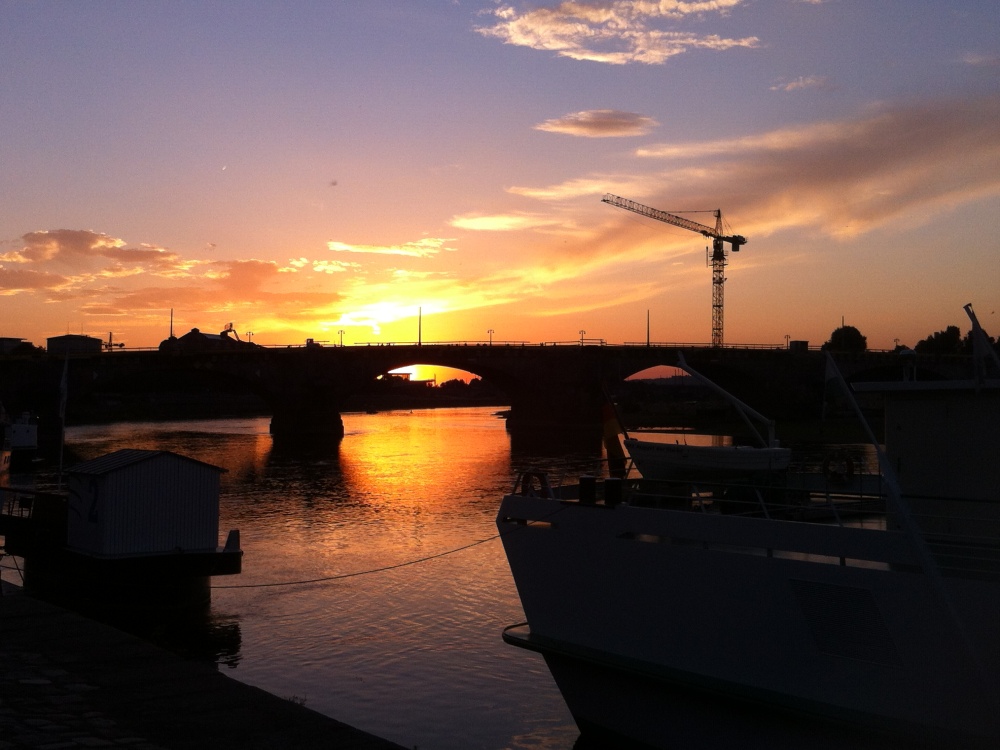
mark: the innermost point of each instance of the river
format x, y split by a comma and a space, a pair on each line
374, 587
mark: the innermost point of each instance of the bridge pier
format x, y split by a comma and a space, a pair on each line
557, 412
306, 420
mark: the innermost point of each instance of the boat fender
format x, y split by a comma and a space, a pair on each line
838, 468
528, 488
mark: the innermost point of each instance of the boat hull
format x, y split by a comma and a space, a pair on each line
669, 460
815, 621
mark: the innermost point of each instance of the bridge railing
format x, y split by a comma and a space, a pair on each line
467, 343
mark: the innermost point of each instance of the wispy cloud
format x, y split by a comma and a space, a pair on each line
236, 289
981, 60
502, 222
616, 32
582, 187
848, 177
600, 123
802, 83
422, 248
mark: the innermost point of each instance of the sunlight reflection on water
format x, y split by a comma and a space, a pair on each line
412, 653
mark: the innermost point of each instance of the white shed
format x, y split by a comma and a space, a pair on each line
141, 502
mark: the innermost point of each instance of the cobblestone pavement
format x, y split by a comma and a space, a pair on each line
69, 682
45, 706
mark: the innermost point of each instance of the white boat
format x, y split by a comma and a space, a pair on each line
656, 460
661, 460
805, 613
23, 434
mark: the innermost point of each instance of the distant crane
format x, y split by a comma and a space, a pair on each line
111, 343
230, 330
718, 257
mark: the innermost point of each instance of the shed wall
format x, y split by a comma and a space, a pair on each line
163, 504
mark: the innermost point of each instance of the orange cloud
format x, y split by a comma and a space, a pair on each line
600, 123
616, 32
15, 281
502, 222
422, 248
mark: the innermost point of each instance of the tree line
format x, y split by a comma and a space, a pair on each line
946, 341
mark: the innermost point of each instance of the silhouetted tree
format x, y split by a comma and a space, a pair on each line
27, 348
846, 339
454, 386
948, 341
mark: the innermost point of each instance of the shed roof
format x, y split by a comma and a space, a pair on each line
125, 457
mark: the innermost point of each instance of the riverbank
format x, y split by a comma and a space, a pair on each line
69, 682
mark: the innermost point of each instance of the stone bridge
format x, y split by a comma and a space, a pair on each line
306, 386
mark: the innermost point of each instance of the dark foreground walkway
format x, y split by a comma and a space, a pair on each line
70, 682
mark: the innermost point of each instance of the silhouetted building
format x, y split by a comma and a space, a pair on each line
195, 340
8, 344
73, 343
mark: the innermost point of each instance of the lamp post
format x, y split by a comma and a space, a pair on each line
582, 334
341, 332
490, 332
787, 337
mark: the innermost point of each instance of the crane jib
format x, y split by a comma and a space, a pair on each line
735, 240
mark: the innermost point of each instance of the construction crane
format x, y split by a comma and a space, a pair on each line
718, 256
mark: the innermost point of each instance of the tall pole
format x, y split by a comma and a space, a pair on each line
647, 327
420, 326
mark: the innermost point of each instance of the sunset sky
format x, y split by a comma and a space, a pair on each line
305, 168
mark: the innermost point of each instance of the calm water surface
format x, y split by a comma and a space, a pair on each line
398, 630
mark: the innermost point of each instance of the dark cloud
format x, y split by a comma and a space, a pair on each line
82, 248
14, 280
66, 244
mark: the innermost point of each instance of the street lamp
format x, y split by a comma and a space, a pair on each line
490, 332
787, 337
341, 332
582, 334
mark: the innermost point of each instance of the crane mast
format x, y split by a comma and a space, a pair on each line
717, 258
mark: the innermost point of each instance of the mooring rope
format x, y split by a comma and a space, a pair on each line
384, 568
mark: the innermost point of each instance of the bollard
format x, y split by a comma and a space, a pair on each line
612, 491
